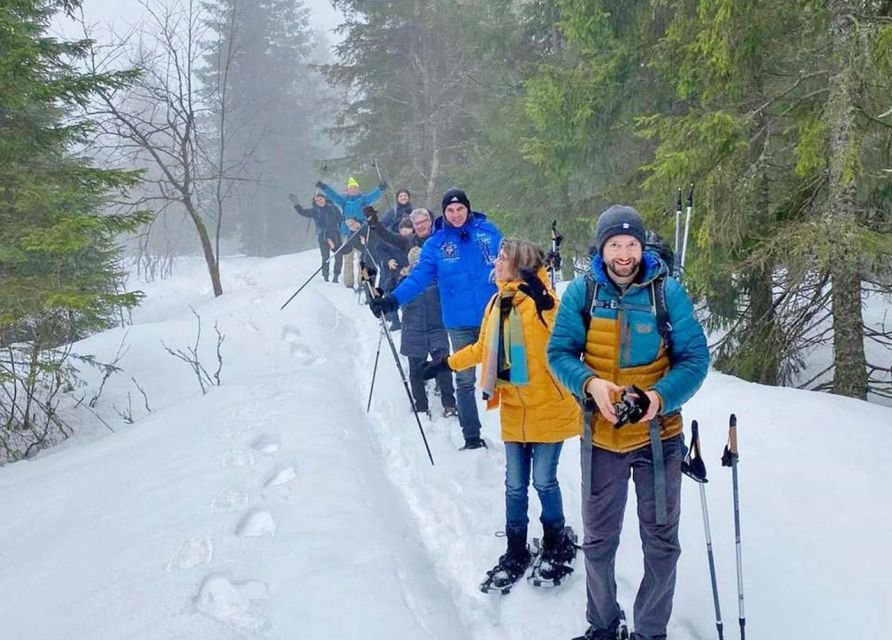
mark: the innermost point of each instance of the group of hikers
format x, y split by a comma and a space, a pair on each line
612, 360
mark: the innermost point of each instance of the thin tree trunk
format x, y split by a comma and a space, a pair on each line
850, 366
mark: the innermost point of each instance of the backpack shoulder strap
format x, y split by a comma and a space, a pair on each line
661, 310
591, 292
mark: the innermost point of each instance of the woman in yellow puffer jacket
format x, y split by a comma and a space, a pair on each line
537, 414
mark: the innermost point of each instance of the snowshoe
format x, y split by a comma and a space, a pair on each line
554, 559
506, 573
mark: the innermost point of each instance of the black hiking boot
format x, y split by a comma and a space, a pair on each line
617, 631
511, 567
558, 553
474, 443
450, 412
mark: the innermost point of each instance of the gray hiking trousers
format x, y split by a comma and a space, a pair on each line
602, 515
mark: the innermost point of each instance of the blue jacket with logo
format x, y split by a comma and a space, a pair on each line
461, 261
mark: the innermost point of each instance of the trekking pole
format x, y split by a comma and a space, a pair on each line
374, 372
396, 358
677, 248
313, 275
381, 179
687, 222
694, 467
556, 239
729, 459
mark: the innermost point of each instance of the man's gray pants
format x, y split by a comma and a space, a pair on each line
602, 515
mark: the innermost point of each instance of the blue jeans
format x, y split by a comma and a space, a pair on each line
543, 458
464, 384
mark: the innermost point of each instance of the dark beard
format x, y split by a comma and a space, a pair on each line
634, 269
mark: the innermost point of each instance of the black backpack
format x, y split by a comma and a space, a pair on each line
654, 243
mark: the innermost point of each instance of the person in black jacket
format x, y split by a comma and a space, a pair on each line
400, 212
422, 226
424, 334
328, 220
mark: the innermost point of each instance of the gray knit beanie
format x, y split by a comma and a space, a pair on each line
618, 220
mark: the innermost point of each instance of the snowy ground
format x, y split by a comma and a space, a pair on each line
275, 507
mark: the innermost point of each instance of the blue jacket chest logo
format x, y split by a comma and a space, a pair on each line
449, 251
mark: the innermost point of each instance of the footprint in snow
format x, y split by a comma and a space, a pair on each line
192, 553
282, 476
227, 499
255, 524
266, 444
232, 603
299, 351
238, 458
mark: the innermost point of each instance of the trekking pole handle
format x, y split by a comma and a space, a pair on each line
690, 196
732, 435
678, 199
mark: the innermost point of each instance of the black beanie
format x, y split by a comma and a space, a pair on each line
455, 195
618, 220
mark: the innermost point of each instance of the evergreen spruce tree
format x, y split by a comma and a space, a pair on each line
59, 278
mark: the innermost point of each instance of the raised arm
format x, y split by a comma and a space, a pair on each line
331, 194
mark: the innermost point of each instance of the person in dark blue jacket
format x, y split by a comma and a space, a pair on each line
351, 205
459, 256
424, 335
328, 220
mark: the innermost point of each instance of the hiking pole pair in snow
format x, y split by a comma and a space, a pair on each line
729, 459
374, 293
694, 468
319, 270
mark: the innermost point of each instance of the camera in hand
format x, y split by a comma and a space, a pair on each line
632, 406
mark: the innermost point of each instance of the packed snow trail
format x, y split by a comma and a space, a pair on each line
809, 464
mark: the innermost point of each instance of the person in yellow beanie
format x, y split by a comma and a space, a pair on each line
351, 205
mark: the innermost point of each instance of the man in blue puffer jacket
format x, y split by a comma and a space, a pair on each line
608, 335
459, 256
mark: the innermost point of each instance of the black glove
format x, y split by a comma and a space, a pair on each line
533, 287
383, 305
371, 215
435, 367
382, 186
293, 198
319, 184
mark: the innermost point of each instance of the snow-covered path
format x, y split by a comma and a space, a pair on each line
258, 508
275, 507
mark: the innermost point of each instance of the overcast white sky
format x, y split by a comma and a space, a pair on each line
124, 12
